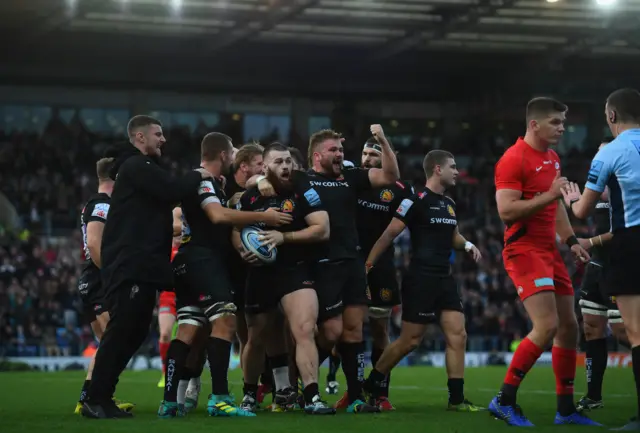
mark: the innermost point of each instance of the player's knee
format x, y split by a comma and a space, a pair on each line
457, 338
545, 329
165, 337
303, 331
593, 329
332, 330
411, 343
619, 332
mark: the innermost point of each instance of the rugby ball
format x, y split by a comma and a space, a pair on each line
250, 239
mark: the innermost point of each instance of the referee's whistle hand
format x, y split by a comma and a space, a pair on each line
273, 217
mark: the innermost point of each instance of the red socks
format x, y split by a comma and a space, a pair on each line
564, 368
163, 348
525, 356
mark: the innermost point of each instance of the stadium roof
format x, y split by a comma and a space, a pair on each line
288, 32
384, 27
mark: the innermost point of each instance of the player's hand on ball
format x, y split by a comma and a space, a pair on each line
378, 133
266, 189
580, 253
558, 184
273, 217
249, 257
585, 244
271, 238
571, 193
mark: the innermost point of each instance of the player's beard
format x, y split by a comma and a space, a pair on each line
332, 167
279, 184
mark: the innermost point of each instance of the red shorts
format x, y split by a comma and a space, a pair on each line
537, 270
167, 303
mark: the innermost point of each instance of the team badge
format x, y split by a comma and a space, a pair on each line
287, 206
386, 195
385, 295
557, 165
450, 209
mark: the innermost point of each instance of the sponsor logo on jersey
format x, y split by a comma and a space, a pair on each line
287, 206
206, 187
448, 221
450, 210
101, 210
386, 195
373, 206
404, 207
385, 294
330, 184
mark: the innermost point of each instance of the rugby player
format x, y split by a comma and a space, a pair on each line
339, 276
597, 307
94, 215
167, 301
617, 166
376, 208
287, 283
203, 287
429, 290
135, 253
528, 189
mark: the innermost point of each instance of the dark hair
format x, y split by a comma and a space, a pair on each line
140, 121
274, 147
434, 158
625, 103
246, 153
541, 107
320, 137
296, 154
213, 144
103, 167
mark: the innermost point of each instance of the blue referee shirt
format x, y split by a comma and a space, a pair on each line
617, 166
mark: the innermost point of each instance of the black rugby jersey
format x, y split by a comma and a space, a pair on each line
96, 210
602, 220
376, 208
339, 196
197, 228
431, 219
237, 266
299, 206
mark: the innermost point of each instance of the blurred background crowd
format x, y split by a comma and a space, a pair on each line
47, 171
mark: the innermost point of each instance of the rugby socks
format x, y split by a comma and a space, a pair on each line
596, 364
376, 382
456, 391
83, 393
280, 366
163, 348
219, 352
323, 354
310, 391
635, 360
564, 368
334, 366
524, 358
353, 368
266, 378
176, 364
376, 353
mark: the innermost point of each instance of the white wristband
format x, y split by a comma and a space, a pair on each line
468, 245
260, 179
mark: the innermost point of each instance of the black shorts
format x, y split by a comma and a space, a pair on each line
340, 284
383, 285
621, 276
238, 270
202, 284
594, 297
425, 296
267, 285
91, 293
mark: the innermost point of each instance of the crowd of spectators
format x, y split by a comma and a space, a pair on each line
48, 176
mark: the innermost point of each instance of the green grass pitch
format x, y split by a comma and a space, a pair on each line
44, 402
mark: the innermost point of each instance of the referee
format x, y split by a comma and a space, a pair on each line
136, 251
617, 166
